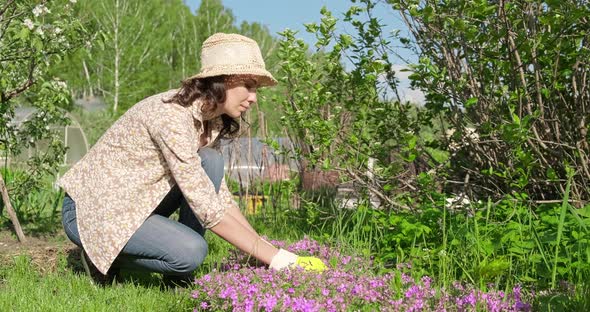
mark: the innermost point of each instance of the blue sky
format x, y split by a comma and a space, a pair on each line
280, 14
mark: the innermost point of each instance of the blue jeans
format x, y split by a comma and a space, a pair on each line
174, 248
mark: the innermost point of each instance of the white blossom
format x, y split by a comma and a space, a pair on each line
61, 84
73, 1
39, 31
29, 24
459, 201
40, 10
57, 30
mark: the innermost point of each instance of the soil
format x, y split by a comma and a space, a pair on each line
44, 251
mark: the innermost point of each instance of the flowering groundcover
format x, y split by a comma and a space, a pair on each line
348, 285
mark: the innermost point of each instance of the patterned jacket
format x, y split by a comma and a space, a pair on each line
127, 173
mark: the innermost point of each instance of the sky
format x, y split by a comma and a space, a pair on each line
278, 15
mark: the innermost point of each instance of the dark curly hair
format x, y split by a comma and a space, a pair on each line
212, 91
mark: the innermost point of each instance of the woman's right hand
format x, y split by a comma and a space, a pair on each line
285, 259
242, 236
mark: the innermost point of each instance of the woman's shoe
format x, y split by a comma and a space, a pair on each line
96, 277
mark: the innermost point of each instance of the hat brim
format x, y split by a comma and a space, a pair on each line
263, 77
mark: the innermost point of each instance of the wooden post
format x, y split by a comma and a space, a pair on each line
11, 212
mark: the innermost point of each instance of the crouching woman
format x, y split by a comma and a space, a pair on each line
160, 157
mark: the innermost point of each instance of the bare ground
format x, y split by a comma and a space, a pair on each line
44, 251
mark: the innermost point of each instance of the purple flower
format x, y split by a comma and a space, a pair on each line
413, 292
470, 299
406, 278
350, 285
426, 281
268, 302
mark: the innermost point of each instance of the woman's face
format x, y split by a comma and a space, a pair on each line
240, 93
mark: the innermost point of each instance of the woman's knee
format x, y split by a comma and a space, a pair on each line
190, 256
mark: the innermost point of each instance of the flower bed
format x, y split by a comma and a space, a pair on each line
349, 284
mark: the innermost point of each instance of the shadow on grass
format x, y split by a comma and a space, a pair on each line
562, 301
137, 278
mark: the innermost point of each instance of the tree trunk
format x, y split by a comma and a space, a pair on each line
11, 212
91, 91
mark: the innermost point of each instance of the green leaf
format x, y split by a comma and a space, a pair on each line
311, 27
412, 142
472, 101
24, 33
585, 212
516, 119
326, 164
553, 3
528, 279
346, 40
551, 174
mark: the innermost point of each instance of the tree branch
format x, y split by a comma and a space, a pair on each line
5, 7
27, 84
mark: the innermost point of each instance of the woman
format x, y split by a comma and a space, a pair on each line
159, 157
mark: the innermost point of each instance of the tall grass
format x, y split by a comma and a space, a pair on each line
545, 248
564, 206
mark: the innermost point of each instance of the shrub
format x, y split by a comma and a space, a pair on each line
516, 72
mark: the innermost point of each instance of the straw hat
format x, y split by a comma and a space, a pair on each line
233, 54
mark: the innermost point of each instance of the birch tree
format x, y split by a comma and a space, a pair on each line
125, 27
213, 17
140, 48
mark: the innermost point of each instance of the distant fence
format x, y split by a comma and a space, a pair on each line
248, 160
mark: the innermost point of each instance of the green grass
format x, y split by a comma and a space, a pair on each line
67, 288
23, 288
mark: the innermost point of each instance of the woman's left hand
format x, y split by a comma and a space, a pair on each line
311, 264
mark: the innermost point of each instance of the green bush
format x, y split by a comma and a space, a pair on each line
510, 79
39, 211
342, 117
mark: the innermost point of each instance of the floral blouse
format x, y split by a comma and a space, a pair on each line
127, 173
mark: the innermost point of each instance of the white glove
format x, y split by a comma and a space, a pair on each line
283, 259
